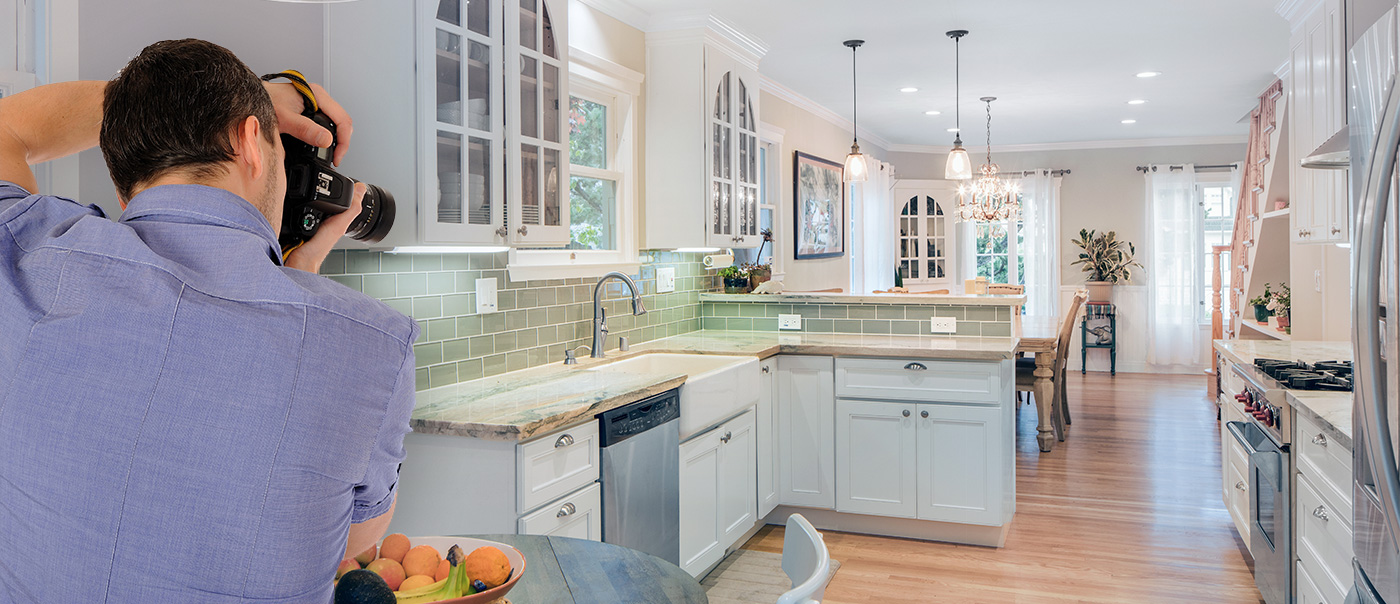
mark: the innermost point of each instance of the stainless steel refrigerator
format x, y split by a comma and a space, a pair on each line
1373, 118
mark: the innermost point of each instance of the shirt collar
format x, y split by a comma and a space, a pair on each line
200, 204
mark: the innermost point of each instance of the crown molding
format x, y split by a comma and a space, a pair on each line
680, 25
1295, 11
622, 10
1128, 143
771, 86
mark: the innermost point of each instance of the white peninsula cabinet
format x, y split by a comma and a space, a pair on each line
702, 136
717, 487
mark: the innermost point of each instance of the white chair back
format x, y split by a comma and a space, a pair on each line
806, 562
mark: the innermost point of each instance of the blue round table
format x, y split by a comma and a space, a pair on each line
563, 570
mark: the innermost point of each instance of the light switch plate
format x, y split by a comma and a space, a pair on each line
942, 325
789, 321
486, 295
665, 279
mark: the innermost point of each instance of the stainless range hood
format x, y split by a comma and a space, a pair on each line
1335, 154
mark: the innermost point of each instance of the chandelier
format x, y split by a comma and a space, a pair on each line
989, 198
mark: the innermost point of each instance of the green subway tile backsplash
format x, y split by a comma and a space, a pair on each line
875, 319
537, 321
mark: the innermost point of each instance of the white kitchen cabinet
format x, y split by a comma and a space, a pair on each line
964, 463
1234, 465
925, 231
1316, 110
806, 431
702, 136
766, 437
1322, 511
717, 492
876, 458
578, 515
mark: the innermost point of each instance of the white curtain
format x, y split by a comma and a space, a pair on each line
1040, 223
876, 224
1172, 275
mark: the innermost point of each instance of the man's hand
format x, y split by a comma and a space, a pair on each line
311, 254
289, 105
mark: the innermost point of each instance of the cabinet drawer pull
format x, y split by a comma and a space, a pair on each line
1242, 486
1320, 440
567, 510
1320, 512
564, 441
906, 413
916, 367
923, 414
726, 437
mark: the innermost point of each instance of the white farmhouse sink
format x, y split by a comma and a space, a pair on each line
716, 386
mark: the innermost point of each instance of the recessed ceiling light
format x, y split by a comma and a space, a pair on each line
933, 113
952, 129
1149, 74
1129, 121
908, 89
1136, 102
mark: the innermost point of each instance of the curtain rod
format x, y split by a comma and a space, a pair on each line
1030, 172
1204, 167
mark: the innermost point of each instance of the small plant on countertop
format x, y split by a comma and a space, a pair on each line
736, 279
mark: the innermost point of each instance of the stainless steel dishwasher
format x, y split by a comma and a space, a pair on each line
641, 475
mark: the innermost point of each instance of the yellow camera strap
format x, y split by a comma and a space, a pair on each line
298, 82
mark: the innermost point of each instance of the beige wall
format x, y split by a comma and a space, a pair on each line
606, 37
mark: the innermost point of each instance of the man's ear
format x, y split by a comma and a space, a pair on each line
250, 153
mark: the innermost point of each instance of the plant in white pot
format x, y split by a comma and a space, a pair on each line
1103, 256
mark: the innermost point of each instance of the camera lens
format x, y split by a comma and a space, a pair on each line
376, 215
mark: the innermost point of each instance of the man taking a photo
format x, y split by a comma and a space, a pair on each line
183, 416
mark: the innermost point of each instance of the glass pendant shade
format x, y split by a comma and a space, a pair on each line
855, 166
959, 166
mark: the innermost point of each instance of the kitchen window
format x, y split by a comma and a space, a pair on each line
997, 249
1217, 201
602, 177
770, 152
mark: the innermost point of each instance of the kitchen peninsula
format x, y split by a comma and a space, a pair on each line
861, 420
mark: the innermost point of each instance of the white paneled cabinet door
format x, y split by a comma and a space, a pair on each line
806, 431
700, 533
960, 451
738, 505
875, 458
537, 101
766, 438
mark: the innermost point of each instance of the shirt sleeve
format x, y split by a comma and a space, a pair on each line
375, 493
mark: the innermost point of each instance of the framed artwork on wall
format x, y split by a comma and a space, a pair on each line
819, 200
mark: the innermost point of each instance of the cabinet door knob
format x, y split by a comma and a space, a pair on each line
564, 441
765, 369
502, 232
1336, 230
1320, 512
726, 437
567, 510
906, 413
523, 230
1242, 486
1320, 440
923, 414
916, 367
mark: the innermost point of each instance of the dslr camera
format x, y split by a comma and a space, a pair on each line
316, 191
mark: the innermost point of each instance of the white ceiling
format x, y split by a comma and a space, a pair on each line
1062, 70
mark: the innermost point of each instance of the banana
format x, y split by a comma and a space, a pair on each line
454, 586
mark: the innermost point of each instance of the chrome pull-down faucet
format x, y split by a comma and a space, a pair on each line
600, 316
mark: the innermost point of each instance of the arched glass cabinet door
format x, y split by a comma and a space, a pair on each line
537, 148
923, 240
733, 163
721, 164
746, 188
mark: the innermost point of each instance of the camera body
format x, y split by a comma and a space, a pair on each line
316, 191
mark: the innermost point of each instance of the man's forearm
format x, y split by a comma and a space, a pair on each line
47, 123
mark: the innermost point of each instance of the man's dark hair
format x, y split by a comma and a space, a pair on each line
177, 106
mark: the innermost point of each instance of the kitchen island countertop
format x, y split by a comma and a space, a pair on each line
1245, 351
1331, 411
523, 404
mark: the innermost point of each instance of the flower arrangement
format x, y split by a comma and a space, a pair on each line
1279, 304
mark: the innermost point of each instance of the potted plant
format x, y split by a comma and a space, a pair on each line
758, 273
1104, 258
736, 281
1279, 305
1261, 305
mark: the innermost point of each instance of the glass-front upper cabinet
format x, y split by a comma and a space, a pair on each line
924, 238
490, 78
733, 156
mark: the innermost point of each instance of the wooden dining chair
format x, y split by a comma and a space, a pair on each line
806, 562
1006, 289
1025, 368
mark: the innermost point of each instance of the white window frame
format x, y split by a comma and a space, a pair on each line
770, 141
598, 80
1208, 179
1013, 248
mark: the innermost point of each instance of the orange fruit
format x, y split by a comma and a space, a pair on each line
444, 567
389, 570
346, 566
415, 582
421, 560
488, 565
394, 547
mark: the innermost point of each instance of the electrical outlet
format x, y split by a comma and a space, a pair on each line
789, 321
486, 295
942, 325
665, 279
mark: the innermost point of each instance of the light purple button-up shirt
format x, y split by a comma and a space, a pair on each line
182, 419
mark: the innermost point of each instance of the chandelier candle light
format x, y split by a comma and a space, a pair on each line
855, 162
959, 167
989, 198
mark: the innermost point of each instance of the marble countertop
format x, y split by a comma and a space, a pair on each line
1245, 351
1331, 411
835, 298
523, 404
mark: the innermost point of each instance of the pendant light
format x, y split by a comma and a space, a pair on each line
855, 162
989, 198
959, 166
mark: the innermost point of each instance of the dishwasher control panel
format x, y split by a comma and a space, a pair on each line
629, 420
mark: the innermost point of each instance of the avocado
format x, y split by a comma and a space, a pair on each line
363, 587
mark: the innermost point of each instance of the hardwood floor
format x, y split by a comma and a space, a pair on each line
1127, 509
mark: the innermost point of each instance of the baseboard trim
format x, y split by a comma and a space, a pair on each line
908, 528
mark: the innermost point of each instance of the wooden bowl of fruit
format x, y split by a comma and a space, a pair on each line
451, 570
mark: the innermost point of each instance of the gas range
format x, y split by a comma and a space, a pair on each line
1296, 375
1267, 380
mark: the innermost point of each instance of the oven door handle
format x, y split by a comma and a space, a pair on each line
1266, 461
1237, 429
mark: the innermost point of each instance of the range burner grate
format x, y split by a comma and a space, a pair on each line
1322, 375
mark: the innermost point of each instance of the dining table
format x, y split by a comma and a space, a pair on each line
1040, 336
565, 570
